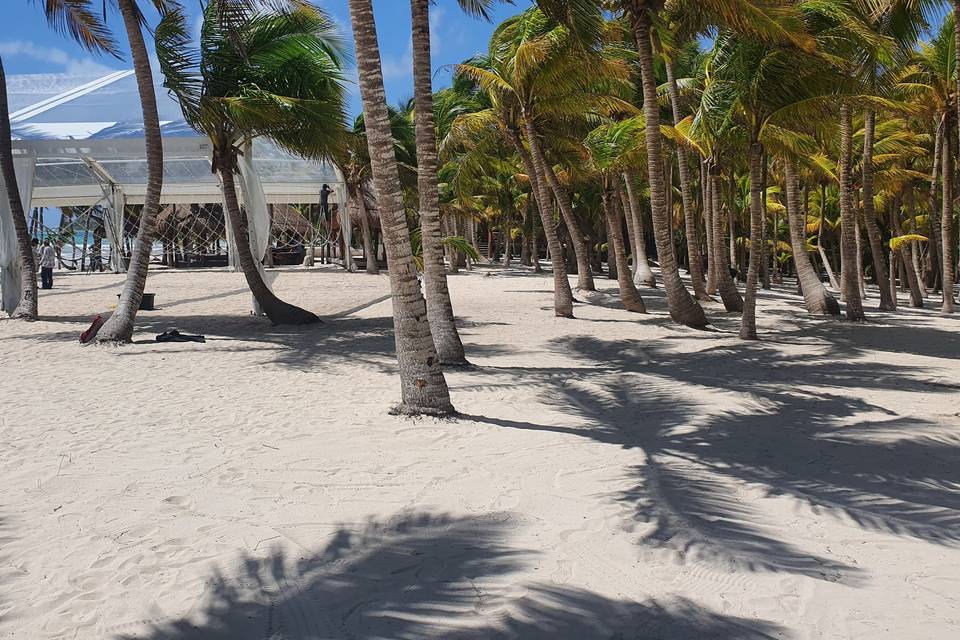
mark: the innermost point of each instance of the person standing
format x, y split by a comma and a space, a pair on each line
48, 258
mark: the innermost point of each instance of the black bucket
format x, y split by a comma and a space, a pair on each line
146, 302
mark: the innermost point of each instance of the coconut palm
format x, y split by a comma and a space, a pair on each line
274, 74
439, 308
423, 387
27, 306
79, 19
119, 327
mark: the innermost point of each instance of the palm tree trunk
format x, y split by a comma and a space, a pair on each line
816, 297
870, 214
764, 245
906, 257
119, 327
823, 252
748, 322
439, 307
946, 220
683, 308
848, 222
706, 193
276, 309
369, 249
562, 294
686, 194
422, 384
934, 221
27, 307
617, 251
584, 276
643, 275
725, 284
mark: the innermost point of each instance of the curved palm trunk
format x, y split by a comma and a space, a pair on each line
748, 322
422, 385
870, 214
906, 255
946, 220
706, 193
277, 310
27, 307
584, 275
119, 327
643, 274
732, 301
683, 308
369, 250
439, 307
848, 222
815, 296
562, 294
686, 195
617, 250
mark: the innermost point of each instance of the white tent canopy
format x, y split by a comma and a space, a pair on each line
73, 134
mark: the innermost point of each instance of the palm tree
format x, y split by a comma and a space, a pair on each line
27, 306
423, 387
439, 308
119, 327
272, 74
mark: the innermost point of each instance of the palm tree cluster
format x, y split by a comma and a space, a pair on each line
743, 141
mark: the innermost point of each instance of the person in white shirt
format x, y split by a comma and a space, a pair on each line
48, 259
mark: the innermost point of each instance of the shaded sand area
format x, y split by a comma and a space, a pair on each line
613, 476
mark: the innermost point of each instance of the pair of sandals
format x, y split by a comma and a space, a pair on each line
175, 336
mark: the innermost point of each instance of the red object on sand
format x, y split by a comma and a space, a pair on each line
91, 333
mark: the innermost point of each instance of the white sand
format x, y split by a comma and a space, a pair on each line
615, 476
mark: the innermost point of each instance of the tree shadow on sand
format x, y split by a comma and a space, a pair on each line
426, 576
838, 453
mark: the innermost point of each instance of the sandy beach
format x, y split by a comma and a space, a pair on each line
611, 476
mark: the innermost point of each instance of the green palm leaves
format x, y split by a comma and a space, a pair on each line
258, 73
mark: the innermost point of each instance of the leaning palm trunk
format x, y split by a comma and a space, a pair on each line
946, 220
683, 308
848, 223
422, 385
748, 322
439, 307
643, 274
584, 276
816, 297
706, 193
278, 311
369, 250
119, 327
906, 255
562, 294
629, 295
870, 215
27, 307
686, 195
732, 301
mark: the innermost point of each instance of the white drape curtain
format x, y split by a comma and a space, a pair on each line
258, 217
117, 201
10, 276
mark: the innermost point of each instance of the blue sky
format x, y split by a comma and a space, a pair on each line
28, 45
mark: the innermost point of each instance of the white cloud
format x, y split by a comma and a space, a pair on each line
54, 56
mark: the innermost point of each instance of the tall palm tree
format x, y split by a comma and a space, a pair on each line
257, 73
422, 384
439, 308
27, 306
119, 327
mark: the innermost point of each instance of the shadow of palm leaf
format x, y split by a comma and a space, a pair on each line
896, 474
425, 576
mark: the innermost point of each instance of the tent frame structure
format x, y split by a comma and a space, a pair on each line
113, 193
